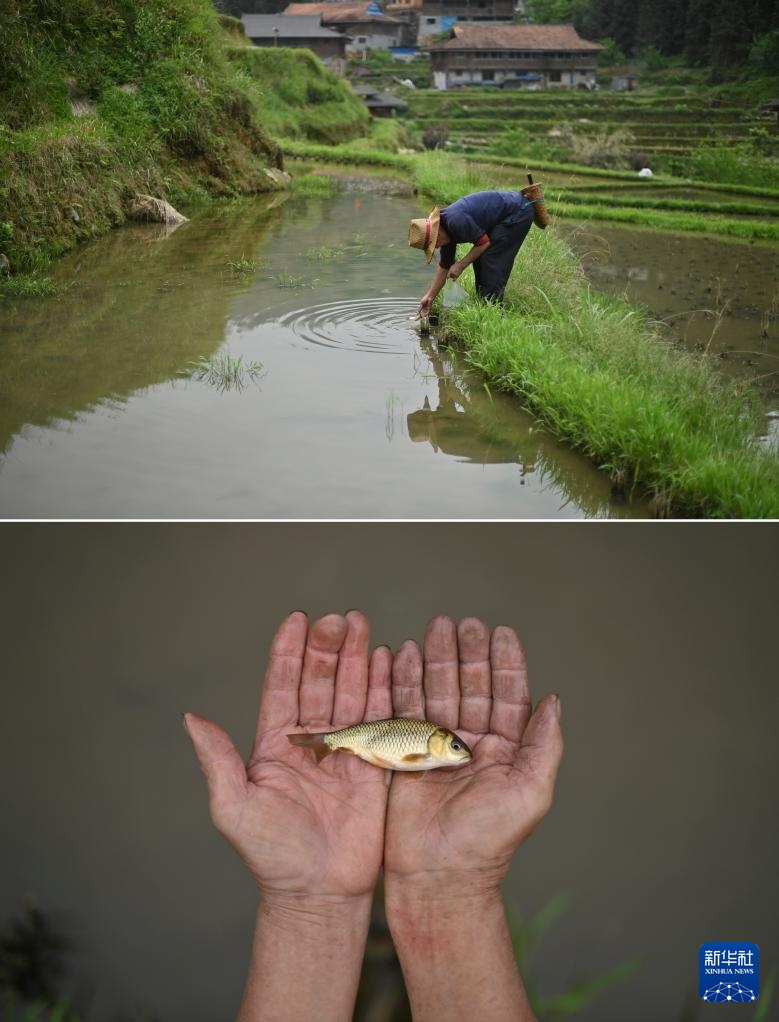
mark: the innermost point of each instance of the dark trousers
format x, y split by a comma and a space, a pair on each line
493, 268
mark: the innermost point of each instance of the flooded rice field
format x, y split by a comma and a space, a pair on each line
348, 411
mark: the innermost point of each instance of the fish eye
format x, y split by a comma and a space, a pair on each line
456, 745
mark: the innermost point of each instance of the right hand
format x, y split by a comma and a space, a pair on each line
452, 832
424, 306
306, 831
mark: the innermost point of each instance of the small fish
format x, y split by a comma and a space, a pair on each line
396, 744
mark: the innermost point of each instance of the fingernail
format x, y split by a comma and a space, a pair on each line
297, 612
558, 708
184, 722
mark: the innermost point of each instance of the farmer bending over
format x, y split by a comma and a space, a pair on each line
495, 223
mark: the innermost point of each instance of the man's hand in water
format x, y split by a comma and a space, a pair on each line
307, 831
424, 306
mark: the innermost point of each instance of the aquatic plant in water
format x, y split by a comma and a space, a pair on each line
289, 280
244, 266
324, 253
224, 371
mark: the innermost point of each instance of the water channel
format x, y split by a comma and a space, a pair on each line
354, 414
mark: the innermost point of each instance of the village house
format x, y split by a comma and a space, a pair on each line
379, 102
280, 30
436, 16
540, 56
366, 24
407, 12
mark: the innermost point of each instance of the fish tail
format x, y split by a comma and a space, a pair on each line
315, 742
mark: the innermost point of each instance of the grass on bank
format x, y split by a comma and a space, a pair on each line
603, 379
29, 285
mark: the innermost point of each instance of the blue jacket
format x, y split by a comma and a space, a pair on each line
474, 216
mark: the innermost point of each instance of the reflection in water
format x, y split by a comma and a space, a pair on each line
457, 426
146, 303
473, 424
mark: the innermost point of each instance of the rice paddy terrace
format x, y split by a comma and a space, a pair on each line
658, 126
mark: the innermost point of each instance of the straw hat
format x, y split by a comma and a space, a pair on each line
423, 233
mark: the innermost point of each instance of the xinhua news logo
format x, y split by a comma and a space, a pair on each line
729, 971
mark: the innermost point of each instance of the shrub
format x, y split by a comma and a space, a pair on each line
435, 136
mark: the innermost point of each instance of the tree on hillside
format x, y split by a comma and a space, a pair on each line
661, 25
558, 12
697, 31
731, 35
615, 18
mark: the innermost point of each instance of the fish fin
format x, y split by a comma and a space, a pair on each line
378, 761
415, 757
315, 742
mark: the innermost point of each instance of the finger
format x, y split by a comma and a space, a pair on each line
442, 669
219, 761
320, 664
407, 697
351, 680
379, 703
510, 694
539, 755
473, 643
279, 703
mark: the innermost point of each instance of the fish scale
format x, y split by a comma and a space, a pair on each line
399, 737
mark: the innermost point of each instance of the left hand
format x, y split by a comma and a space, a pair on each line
452, 832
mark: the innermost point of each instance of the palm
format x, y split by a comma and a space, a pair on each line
308, 827
470, 819
463, 829
303, 827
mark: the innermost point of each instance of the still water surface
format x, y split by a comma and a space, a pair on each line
355, 414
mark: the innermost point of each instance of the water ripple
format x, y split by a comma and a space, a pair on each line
377, 325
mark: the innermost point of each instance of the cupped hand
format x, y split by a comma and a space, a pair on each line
304, 828
424, 306
456, 829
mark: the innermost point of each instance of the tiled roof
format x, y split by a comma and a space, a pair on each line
261, 26
384, 100
338, 12
516, 37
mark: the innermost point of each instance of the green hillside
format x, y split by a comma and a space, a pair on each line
101, 99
